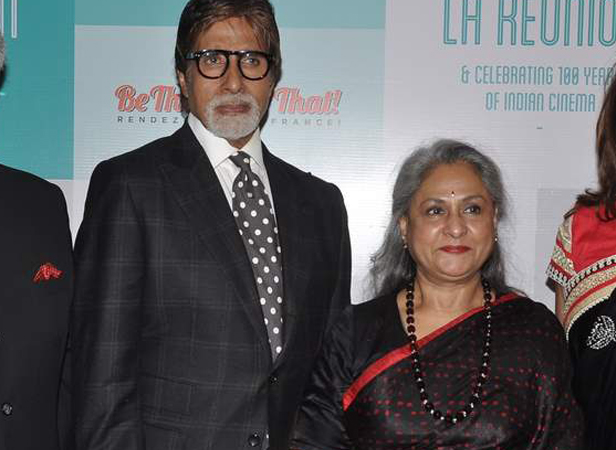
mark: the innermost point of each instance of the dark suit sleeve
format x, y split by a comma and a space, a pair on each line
64, 394
341, 296
106, 319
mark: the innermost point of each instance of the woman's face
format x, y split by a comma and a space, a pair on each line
450, 224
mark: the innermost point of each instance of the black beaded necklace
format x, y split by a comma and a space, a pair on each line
416, 365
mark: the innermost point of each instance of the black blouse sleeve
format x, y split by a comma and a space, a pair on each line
320, 421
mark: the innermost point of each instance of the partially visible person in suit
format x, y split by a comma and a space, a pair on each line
35, 296
207, 268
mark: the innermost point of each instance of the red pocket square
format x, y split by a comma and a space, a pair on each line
46, 272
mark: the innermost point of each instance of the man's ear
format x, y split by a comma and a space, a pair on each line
182, 79
273, 84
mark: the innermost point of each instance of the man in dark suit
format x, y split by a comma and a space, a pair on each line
207, 268
35, 295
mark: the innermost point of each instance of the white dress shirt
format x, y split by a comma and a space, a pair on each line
218, 151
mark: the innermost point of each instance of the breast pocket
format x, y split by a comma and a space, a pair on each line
160, 437
166, 397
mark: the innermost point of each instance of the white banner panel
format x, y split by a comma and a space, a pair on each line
364, 82
325, 116
520, 79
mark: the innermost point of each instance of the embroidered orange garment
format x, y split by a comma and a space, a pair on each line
584, 262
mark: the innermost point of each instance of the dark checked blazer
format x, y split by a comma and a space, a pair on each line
169, 343
34, 316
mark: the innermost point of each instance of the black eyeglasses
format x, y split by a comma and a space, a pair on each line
253, 64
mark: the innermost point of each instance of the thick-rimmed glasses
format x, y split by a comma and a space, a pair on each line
253, 64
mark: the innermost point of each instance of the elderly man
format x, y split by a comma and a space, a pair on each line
35, 295
207, 268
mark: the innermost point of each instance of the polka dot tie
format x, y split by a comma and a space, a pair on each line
256, 223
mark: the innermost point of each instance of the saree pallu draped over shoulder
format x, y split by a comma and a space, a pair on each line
363, 394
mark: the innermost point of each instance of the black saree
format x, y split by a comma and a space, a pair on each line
363, 396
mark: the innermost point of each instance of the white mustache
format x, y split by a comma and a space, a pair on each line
234, 100
234, 126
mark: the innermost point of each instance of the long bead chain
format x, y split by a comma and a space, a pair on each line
416, 365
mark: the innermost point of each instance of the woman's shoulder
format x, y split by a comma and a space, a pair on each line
527, 330
531, 319
531, 308
366, 318
359, 326
579, 215
373, 305
592, 239
588, 217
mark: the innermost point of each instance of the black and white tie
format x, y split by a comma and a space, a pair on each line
256, 223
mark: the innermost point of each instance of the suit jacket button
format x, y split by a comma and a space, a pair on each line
7, 409
254, 440
273, 379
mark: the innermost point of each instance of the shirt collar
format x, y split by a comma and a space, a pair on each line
218, 149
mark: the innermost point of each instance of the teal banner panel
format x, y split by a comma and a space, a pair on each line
129, 12
365, 14
289, 13
36, 96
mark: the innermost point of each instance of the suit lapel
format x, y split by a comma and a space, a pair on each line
289, 205
197, 189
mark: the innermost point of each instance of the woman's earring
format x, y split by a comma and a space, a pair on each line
496, 237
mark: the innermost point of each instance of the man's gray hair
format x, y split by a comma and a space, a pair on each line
391, 263
1, 52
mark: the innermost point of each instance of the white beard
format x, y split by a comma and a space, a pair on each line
236, 126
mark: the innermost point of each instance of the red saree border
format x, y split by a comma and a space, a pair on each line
397, 355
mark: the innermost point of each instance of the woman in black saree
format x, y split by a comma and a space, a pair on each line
447, 356
583, 269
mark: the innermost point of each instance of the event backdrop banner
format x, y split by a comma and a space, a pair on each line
364, 82
36, 96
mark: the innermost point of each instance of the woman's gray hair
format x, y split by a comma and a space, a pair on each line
392, 263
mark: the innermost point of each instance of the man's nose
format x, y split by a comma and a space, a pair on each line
233, 80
